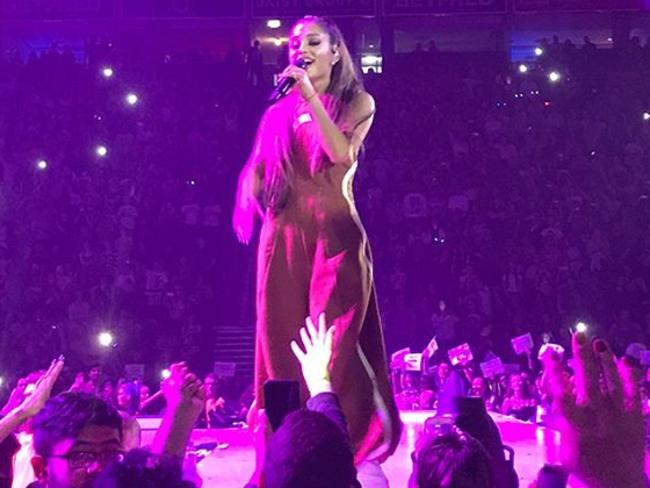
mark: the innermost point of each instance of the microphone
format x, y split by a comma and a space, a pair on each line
281, 90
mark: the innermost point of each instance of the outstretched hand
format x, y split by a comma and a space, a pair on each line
34, 401
315, 359
599, 416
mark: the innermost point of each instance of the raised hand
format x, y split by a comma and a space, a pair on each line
34, 401
315, 359
599, 417
183, 390
185, 401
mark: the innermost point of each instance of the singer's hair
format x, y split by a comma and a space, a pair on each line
345, 81
274, 137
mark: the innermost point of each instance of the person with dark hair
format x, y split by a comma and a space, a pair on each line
473, 419
107, 392
219, 412
481, 389
75, 436
309, 449
451, 460
128, 405
519, 402
254, 63
313, 252
128, 398
94, 375
312, 447
82, 384
214, 414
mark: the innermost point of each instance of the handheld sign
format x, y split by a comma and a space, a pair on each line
460, 355
413, 362
492, 368
522, 344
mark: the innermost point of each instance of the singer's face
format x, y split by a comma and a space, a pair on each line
310, 42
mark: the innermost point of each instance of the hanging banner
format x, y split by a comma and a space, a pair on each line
55, 9
418, 7
185, 8
298, 8
577, 5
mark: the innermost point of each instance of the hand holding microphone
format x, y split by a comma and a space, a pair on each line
292, 74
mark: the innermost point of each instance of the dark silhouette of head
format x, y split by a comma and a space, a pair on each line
451, 460
309, 449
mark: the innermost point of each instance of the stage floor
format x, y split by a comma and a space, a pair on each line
232, 466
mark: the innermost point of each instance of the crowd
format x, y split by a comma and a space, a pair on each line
78, 439
502, 203
521, 203
135, 242
497, 203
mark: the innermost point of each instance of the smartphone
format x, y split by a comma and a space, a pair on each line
281, 397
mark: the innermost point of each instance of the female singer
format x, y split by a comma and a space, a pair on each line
313, 254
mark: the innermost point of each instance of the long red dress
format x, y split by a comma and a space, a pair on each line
314, 257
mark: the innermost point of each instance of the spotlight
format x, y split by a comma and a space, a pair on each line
101, 151
107, 72
105, 339
2, 381
277, 41
165, 373
538, 51
273, 24
581, 327
41, 164
646, 116
131, 99
554, 76
523, 68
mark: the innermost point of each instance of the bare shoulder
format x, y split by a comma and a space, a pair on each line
362, 104
360, 110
